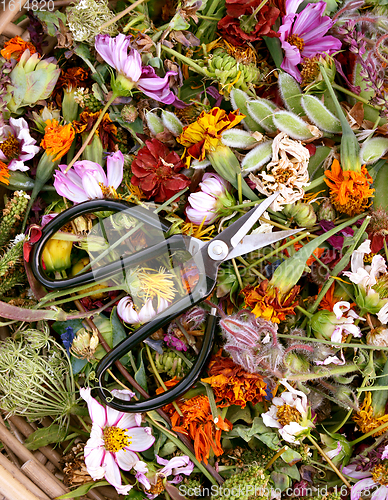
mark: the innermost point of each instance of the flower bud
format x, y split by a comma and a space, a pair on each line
56, 254
326, 211
302, 213
32, 80
129, 113
69, 106
296, 363
323, 324
121, 86
84, 345
337, 448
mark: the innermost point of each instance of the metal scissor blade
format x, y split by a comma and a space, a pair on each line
254, 216
256, 241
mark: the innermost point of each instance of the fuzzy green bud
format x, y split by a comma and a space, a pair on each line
296, 363
69, 106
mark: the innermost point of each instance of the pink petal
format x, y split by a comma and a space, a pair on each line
96, 411
126, 459
140, 438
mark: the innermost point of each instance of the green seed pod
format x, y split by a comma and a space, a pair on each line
320, 115
293, 126
262, 110
373, 149
239, 100
326, 211
291, 93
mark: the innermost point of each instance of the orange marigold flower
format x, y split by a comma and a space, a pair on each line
57, 138
205, 133
4, 173
350, 191
197, 423
266, 301
107, 130
14, 48
232, 385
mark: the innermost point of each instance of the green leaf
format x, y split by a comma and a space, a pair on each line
292, 125
262, 110
256, 158
237, 413
60, 326
239, 100
51, 20
373, 149
270, 439
44, 436
318, 113
281, 481
291, 456
290, 470
135, 495
82, 51
77, 364
140, 375
82, 490
118, 333
291, 93
380, 199
168, 449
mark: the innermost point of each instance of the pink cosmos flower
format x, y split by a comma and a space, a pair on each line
16, 144
174, 467
303, 35
114, 440
87, 180
128, 313
130, 70
366, 482
204, 204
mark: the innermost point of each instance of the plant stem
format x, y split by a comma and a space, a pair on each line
351, 94
159, 378
315, 183
275, 457
370, 433
186, 60
339, 474
183, 448
91, 133
121, 14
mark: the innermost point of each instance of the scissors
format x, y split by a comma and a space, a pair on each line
205, 257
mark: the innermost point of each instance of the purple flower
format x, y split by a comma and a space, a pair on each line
114, 440
131, 73
16, 144
173, 467
174, 342
336, 241
303, 35
87, 180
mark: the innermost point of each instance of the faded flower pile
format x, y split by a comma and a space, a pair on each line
166, 338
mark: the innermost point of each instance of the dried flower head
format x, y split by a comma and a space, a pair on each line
36, 378
14, 48
85, 18
286, 173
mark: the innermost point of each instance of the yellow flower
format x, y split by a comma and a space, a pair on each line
366, 420
204, 134
57, 138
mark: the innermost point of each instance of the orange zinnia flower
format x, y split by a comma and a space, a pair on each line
4, 173
14, 48
350, 191
205, 133
232, 385
267, 302
57, 138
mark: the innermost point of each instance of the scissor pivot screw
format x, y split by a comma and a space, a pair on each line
218, 250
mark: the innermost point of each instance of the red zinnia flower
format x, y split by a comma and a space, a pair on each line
155, 171
237, 27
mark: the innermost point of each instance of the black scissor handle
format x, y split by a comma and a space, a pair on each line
72, 213
203, 288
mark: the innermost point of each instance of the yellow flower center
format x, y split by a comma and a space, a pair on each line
380, 474
108, 191
156, 489
10, 147
286, 414
282, 175
115, 439
297, 41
